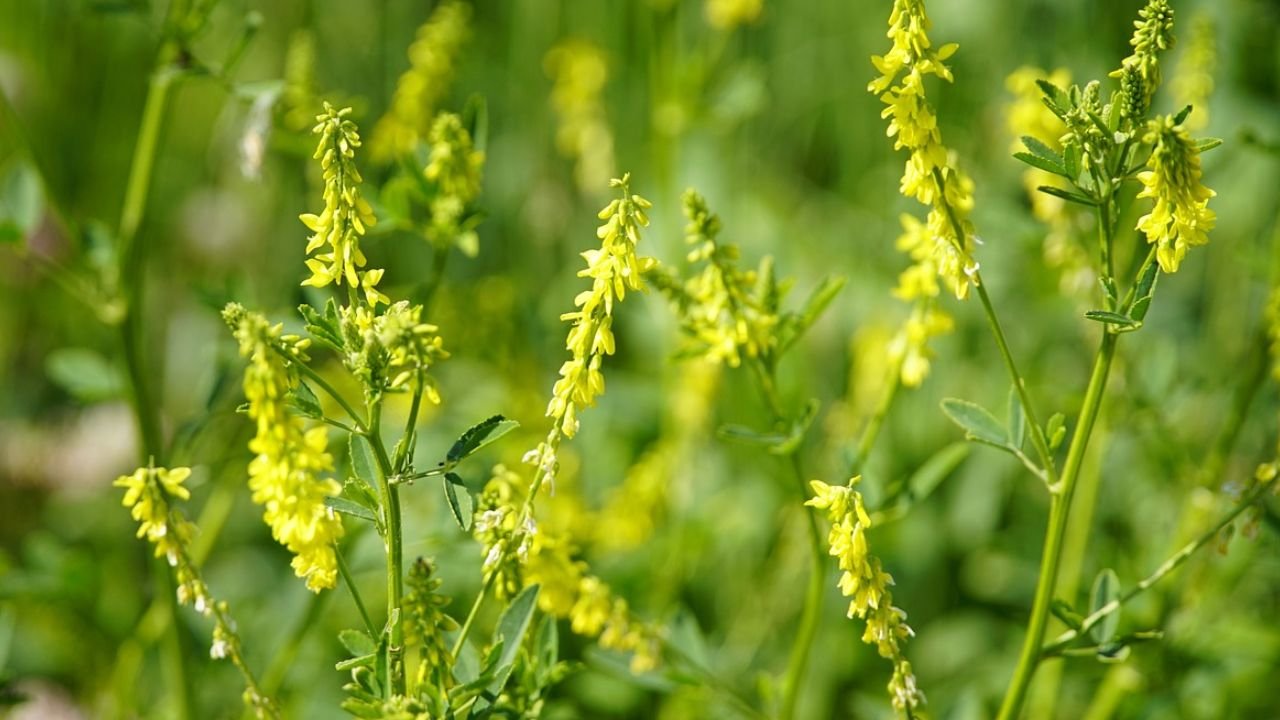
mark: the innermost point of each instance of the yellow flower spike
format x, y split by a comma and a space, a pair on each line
346, 215
866, 584
284, 475
579, 72
432, 57
1180, 218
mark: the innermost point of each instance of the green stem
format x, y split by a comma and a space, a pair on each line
394, 542
1059, 510
766, 373
274, 677
324, 385
471, 616
1028, 408
872, 429
801, 648
1173, 563
345, 571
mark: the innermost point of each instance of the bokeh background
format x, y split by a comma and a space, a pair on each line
767, 117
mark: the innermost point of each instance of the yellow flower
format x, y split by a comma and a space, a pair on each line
729, 14
284, 475
867, 585
421, 88
613, 269
1181, 217
579, 72
930, 175
1193, 83
454, 169
147, 495
346, 214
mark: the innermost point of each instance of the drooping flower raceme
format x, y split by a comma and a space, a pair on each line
346, 215
866, 584
284, 475
432, 57
1181, 217
521, 554
150, 494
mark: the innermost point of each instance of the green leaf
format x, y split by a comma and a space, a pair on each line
1054, 97
511, 630
348, 507
21, 202
1207, 144
324, 327
1071, 160
819, 300
1017, 428
744, 434
357, 642
479, 435
1039, 162
305, 402
937, 468
460, 508
1106, 589
1111, 318
362, 462
1182, 115
84, 374
977, 422
1067, 195
368, 660
1042, 151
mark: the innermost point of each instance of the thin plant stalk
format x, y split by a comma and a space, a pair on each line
394, 540
1055, 533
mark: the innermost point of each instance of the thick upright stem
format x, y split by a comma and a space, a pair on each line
1059, 510
395, 561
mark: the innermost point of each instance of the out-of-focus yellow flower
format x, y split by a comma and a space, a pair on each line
432, 57
523, 554
579, 72
866, 584
454, 168
1181, 217
1192, 83
284, 475
346, 214
729, 14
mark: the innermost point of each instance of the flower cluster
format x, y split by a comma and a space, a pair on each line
1139, 73
284, 475
579, 71
719, 312
931, 175
866, 583
1192, 84
431, 67
910, 349
1181, 217
425, 622
454, 169
149, 494
729, 14
523, 554
390, 350
613, 269
346, 213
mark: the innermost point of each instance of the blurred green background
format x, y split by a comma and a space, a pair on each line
771, 121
